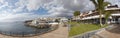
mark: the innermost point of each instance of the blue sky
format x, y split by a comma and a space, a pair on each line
30, 9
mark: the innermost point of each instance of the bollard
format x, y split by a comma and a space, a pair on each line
22, 34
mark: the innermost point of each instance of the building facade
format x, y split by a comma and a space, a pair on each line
93, 16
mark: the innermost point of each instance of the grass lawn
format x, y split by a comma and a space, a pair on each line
79, 28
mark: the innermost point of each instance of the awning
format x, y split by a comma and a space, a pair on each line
92, 17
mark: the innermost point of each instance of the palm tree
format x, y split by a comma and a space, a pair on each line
107, 14
76, 13
100, 7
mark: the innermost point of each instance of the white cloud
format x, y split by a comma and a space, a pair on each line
4, 4
19, 9
9, 14
10, 17
67, 4
58, 7
1, 1
32, 4
66, 7
54, 7
60, 11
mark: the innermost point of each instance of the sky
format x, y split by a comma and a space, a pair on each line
16, 10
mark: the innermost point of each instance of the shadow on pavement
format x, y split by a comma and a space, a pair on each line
114, 29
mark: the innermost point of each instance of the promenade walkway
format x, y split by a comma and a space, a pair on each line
109, 33
61, 32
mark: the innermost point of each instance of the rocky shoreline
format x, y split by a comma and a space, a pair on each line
39, 24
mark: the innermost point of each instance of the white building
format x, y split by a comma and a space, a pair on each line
64, 19
93, 16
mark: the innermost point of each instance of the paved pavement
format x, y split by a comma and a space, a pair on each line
109, 33
61, 32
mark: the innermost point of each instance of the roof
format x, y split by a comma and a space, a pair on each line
92, 17
115, 14
112, 9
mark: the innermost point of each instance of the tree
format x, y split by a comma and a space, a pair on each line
107, 15
56, 20
100, 7
76, 13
